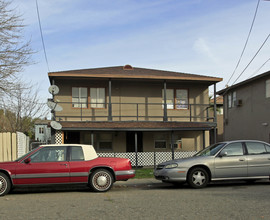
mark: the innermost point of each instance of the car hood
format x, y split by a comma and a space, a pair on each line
193, 160
7, 163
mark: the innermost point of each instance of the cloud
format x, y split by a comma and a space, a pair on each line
202, 47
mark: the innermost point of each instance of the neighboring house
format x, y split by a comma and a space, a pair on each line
42, 131
128, 109
219, 115
246, 109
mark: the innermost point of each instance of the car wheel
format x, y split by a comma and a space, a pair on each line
5, 184
101, 180
198, 178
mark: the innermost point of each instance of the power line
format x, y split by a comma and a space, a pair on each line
42, 39
252, 58
259, 68
246, 42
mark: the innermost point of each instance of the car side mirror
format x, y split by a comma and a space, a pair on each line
27, 160
223, 154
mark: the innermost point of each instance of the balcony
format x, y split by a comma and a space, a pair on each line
134, 112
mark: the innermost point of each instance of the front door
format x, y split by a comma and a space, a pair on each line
72, 137
130, 141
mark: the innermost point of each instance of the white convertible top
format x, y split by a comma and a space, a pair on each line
88, 150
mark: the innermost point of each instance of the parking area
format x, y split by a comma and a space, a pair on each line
141, 199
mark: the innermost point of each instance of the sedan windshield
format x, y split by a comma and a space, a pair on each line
25, 155
211, 150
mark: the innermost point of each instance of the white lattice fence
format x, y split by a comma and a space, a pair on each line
149, 158
184, 154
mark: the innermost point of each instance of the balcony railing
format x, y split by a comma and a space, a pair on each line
133, 112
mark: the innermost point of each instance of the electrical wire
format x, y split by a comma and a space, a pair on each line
252, 58
42, 39
259, 68
252, 24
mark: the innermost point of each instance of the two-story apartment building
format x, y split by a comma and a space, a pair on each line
246, 109
128, 109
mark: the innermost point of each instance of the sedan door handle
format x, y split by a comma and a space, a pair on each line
241, 159
64, 164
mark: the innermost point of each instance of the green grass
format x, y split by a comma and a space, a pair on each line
142, 173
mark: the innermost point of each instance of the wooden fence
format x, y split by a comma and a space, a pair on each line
13, 145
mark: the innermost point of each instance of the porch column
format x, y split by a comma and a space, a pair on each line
136, 148
92, 138
172, 144
165, 116
110, 101
203, 140
215, 114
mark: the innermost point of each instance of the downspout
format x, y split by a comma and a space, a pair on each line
165, 116
215, 114
110, 101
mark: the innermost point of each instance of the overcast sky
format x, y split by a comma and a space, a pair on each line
203, 37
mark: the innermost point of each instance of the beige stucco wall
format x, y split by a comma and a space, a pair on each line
147, 94
191, 140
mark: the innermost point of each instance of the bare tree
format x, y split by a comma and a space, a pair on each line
14, 52
21, 109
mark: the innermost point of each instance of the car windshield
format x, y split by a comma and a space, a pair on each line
211, 150
25, 155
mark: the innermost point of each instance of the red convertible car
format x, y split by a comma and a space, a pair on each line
64, 164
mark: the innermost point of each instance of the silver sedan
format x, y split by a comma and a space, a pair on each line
232, 160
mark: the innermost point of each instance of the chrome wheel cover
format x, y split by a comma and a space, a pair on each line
198, 178
3, 185
102, 181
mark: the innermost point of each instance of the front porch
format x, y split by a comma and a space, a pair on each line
144, 143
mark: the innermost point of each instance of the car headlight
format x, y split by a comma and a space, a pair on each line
172, 165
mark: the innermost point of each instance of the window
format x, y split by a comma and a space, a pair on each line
234, 149
97, 97
77, 153
169, 98
49, 154
41, 130
256, 148
160, 144
234, 99
176, 98
267, 88
105, 142
79, 97
105, 145
181, 99
229, 100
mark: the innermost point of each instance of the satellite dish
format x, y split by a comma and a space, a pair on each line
54, 106
54, 90
56, 125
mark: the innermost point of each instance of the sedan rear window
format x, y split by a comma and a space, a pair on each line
77, 153
256, 148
